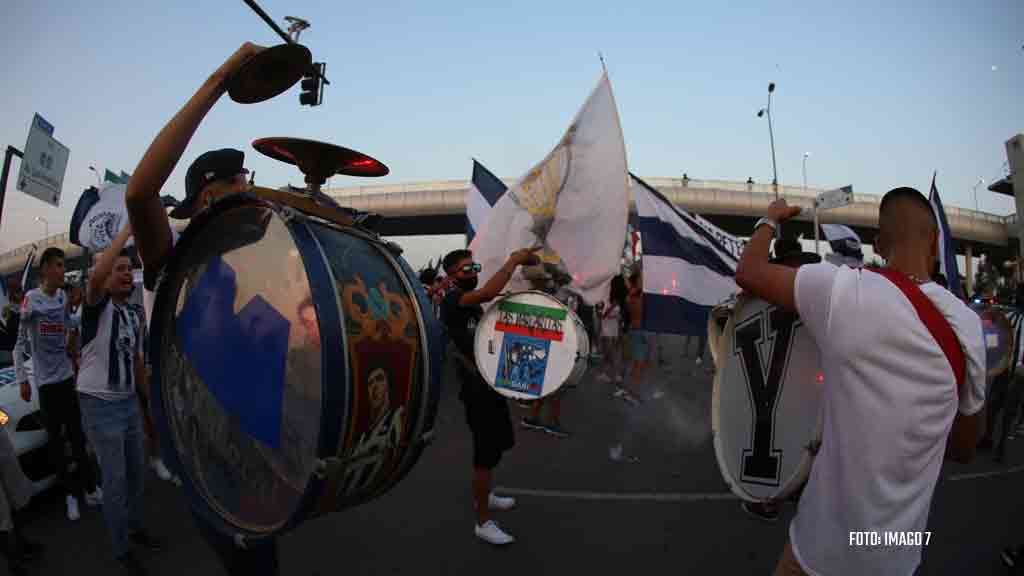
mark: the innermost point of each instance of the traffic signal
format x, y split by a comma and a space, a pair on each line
313, 85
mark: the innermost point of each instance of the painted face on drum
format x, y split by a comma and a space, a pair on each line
377, 385
466, 274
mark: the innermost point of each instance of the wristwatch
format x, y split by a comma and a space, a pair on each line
769, 222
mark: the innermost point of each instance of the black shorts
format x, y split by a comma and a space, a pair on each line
488, 418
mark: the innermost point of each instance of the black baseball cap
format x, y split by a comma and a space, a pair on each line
213, 165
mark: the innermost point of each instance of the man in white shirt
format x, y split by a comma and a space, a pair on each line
891, 406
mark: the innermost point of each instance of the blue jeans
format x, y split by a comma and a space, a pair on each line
115, 430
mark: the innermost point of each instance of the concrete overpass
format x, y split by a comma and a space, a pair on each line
438, 207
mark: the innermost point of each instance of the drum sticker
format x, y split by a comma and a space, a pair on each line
528, 332
771, 331
522, 364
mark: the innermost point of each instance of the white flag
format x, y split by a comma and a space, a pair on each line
99, 217
575, 202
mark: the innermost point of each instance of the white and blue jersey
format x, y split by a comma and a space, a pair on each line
44, 327
111, 341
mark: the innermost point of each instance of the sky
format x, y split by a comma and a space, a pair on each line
880, 93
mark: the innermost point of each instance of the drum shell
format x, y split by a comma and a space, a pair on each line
313, 489
582, 355
998, 334
536, 338
796, 424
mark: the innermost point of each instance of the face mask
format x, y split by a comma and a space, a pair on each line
468, 284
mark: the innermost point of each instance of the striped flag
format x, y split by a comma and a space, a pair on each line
689, 264
947, 247
484, 192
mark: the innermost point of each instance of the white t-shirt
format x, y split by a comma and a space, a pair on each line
888, 406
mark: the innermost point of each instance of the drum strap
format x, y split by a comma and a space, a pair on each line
933, 320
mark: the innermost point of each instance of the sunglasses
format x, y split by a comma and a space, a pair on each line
474, 267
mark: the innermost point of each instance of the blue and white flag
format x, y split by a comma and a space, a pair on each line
574, 203
947, 247
689, 264
484, 191
99, 216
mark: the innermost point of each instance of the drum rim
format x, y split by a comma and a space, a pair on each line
807, 459
492, 304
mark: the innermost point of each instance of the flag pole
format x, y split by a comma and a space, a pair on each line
601, 58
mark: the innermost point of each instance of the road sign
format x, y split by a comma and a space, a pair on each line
834, 198
43, 166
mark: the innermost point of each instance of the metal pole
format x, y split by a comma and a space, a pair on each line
771, 136
11, 151
817, 234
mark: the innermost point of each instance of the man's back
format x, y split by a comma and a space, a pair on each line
889, 403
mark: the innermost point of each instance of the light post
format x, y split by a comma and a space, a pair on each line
771, 135
46, 226
975, 190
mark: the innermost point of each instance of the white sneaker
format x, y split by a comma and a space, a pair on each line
657, 394
495, 502
94, 498
73, 513
161, 470
491, 534
699, 361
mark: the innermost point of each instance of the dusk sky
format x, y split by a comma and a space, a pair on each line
880, 93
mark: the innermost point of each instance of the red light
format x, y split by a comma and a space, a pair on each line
820, 378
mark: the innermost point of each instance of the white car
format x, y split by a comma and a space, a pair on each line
22, 422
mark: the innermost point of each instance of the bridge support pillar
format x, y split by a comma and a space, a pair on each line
969, 269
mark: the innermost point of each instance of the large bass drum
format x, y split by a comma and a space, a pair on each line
766, 404
528, 345
296, 366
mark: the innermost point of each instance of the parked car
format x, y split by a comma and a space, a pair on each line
23, 423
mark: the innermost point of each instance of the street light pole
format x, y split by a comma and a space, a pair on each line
976, 184
46, 226
771, 137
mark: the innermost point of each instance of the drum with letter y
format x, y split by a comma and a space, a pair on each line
296, 368
528, 344
766, 404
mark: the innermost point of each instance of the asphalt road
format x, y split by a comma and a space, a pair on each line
579, 511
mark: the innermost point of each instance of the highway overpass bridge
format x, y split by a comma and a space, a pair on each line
439, 207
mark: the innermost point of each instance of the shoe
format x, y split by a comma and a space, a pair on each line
1011, 557
500, 503
143, 540
491, 534
532, 424
72, 504
761, 511
94, 498
556, 431
130, 565
161, 470
658, 394
699, 361
603, 377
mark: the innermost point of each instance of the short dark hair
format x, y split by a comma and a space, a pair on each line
428, 276
49, 255
911, 194
454, 257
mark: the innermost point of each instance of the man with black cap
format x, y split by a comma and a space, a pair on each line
902, 387
212, 175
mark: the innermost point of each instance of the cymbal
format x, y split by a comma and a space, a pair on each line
269, 73
320, 160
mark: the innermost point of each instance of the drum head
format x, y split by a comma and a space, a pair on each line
767, 401
998, 339
527, 345
237, 364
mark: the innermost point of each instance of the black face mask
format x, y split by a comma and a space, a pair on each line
468, 284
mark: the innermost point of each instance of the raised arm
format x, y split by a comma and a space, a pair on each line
497, 283
142, 195
772, 282
97, 287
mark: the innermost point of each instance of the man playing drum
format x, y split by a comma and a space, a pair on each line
213, 175
486, 411
891, 399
